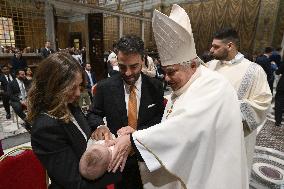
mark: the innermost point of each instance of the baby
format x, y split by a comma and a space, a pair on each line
95, 160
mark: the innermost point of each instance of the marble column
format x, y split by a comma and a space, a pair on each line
120, 26
50, 24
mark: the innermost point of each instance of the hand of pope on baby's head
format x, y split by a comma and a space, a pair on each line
121, 150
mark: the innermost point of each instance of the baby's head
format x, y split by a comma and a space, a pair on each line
94, 162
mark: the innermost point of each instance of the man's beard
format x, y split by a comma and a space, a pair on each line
222, 56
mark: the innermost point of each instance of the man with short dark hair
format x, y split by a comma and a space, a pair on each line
129, 98
5, 79
18, 62
18, 95
248, 79
47, 50
91, 78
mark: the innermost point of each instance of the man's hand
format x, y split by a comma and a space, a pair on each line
125, 131
121, 150
102, 133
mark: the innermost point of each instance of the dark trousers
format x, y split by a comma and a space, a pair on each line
131, 178
6, 103
18, 108
270, 83
279, 106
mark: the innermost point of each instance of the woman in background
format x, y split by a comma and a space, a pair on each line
29, 78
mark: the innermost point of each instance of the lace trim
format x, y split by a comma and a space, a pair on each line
248, 114
247, 80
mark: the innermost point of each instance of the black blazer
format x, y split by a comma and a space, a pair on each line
265, 63
109, 102
18, 64
280, 85
89, 87
4, 83
59, 147
14, 91
45, 52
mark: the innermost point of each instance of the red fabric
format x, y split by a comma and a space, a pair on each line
165, 102
110, 186
94, 89
23, 171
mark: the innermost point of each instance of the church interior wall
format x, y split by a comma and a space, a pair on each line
279, 26
260, 22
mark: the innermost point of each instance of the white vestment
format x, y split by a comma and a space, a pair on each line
249, 80
199, 144
150, 69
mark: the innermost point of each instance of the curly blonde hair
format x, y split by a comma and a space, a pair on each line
51, 86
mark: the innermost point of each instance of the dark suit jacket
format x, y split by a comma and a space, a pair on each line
14, 91
18, 64
265, 63
4, 83
45, 52
109, 102
280, 85
89, 87
59, 146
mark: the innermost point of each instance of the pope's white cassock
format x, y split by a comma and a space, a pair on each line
249, 80
200, 140
199, 144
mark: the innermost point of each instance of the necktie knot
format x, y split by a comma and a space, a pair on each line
132, 88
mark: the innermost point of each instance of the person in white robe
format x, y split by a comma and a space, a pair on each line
199, 144
150, 68
248, 79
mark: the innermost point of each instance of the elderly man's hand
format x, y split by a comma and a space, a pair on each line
121, 150
125, 131
102, 133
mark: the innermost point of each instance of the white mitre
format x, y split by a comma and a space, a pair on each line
173, 36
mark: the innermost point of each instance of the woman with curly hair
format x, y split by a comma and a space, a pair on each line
59, 129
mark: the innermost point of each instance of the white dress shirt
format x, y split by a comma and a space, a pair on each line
11, 78
90, 77
138, 84
23, 94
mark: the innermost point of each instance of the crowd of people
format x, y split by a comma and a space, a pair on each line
201, 136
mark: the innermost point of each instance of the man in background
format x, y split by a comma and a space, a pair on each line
47, 50
249, 81
5, 79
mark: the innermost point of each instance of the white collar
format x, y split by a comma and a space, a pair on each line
238, 58
186, 86
19, 81
137, 84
